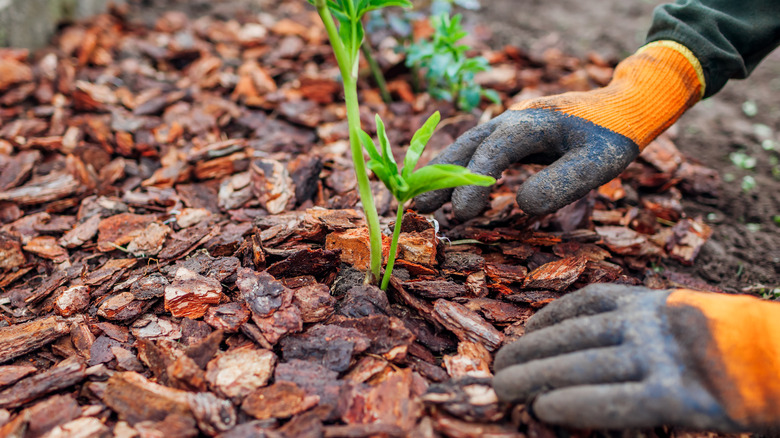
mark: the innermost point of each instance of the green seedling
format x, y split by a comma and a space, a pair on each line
408, 183
449, 71
743, 160
748, 183
346, 40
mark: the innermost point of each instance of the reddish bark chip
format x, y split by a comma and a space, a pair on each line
557, 275
13, 72
137, 399
689, 235
228, 317
466, 324
191, 294
72, 300
354, 246
121, 229
11, 254
236, 373
48, 248
279, 400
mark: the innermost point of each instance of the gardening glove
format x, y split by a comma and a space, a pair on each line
614, 357
591, 136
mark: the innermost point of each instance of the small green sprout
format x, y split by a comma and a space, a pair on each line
748, 183
449, 71
408, 183
743, 160
750, 108
346, 40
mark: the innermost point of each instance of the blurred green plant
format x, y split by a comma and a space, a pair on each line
448, 70
748, 183
743, 160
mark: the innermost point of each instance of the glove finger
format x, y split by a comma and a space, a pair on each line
518, 383
602, 157
458, 153
590, 300
522, 133
569, 336
612, 406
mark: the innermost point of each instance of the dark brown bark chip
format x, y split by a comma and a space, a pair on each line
388, 335
466, 324
19, 339
557, 275
193, 331
101, 350
498, 312
315, 379
181, 241
228, 317
148, 287
137, 399
316, 262
50, 413
11, 373
435, 289
469, 398
63, 375
363, 300
262, 292
315, 302
279, 400
204, 350
329, 345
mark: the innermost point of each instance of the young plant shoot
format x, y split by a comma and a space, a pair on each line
346, 40
408, 183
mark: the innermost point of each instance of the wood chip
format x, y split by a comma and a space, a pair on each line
20, 339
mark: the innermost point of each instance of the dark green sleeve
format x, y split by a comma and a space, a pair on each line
729, 37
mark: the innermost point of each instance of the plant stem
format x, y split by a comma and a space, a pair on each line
347, 58
364, 186
376, 71
393, 247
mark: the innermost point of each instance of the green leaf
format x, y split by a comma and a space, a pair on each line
492, 95
417, 145
387, 152
469, 98
382, 173
443, 176
368, 143
378, 4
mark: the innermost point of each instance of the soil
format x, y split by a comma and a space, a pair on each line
744, 251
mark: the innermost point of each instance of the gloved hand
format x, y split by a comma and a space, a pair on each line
592, 136
614, 357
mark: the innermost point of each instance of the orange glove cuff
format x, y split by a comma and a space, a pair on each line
649, 91
745, 344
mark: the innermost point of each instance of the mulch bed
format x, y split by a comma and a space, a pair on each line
181, 247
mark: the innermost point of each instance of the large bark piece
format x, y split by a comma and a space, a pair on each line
19, 339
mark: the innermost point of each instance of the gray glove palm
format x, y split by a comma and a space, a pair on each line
611, 356
583, 155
